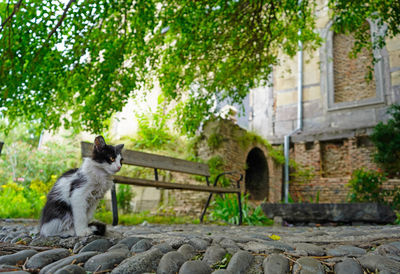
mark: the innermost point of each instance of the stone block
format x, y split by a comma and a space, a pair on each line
311, 93
346, 119
286, 98
393, 44
395, 78
322, 213
394, 58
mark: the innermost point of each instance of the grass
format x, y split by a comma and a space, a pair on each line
138, 218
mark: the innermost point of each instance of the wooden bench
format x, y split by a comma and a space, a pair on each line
159, 162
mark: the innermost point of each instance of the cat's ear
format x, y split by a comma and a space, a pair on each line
99, 143
118, 148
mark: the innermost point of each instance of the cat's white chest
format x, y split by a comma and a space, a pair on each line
98, 189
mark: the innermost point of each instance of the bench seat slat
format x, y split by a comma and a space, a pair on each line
168, 185
143, 159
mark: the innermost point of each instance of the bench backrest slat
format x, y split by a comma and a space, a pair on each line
138, 158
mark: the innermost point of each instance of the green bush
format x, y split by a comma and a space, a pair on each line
386, 138
17, 201
22, 162
27, 173
367, 186
124, 197
226, 208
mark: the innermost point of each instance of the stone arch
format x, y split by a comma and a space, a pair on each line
257, 175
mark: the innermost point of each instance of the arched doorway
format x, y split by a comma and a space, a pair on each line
257, 176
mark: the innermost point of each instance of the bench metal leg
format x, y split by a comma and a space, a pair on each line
114, 205
205, 208
240, 208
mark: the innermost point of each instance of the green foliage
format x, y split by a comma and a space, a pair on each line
153, 132
367, 186
227, 209
88, 57
139, 218
215, 140
24, 163
125, 194
27, 173
351, 17
223, 263
386, 138
216, 165
17, 201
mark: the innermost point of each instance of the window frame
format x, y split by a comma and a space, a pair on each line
327, 69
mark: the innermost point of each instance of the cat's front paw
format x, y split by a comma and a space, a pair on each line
84, 232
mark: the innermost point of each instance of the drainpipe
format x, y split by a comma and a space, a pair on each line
299, 128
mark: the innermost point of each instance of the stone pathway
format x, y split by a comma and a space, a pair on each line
196, 249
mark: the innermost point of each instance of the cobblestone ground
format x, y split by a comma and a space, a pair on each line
203, 249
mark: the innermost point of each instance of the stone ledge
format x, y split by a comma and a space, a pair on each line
337, 213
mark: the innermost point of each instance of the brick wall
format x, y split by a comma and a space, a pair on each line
333, 163
349, 73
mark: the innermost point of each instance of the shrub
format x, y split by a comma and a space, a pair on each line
386, 138
124, 197
27, 173
367, 186
226, 208
17, 201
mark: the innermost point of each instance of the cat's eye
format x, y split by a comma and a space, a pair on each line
112, 159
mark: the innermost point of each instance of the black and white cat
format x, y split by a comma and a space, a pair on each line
73, 199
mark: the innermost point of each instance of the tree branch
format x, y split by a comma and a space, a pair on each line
54, 29
16, 8
60, 20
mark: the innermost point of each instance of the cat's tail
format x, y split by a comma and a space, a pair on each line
98, 228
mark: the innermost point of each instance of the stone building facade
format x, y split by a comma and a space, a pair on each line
340, 109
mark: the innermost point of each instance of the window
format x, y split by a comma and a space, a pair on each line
345, 85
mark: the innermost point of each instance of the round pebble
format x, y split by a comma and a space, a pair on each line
348, 266
141, 246
130, 241
187, 251
71, 269
214, 254
146, 261
195, 267
46, 257
198, 244
99, 245
18, 257
105, 261
200, 248
170, 262
308, 265
276, 264
240, 262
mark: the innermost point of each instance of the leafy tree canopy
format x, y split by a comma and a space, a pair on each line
75, 63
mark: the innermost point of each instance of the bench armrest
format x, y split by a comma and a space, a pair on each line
230, 173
